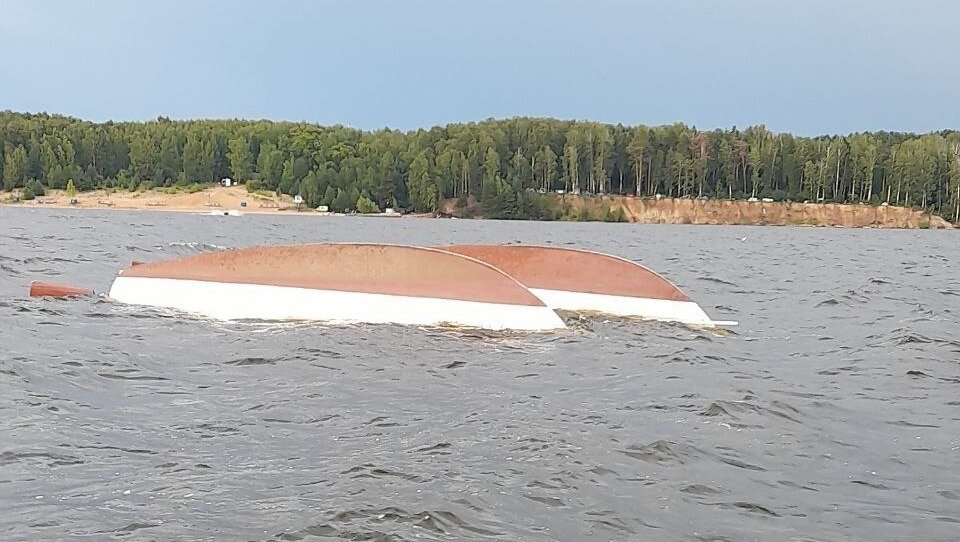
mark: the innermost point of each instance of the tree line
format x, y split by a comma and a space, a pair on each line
502, 164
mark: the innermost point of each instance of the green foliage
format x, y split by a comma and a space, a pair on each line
198, 159
421, 184
32, 189
564, 211
344, 201
270, 166
71, 189
503, 164
240, 158
127, 181
14, 166
288, 181
615, 215
254, 186
366, 205
310, 189
328, 196
191, 188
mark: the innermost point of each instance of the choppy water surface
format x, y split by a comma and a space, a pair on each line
831, 413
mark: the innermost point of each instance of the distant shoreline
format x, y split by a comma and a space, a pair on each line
662, 210
223, 200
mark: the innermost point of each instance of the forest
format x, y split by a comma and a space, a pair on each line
502, 164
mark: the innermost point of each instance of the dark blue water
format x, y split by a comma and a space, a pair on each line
831, 413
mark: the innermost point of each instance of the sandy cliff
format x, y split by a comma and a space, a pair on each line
690, 211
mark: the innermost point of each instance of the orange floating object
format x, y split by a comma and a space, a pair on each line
49, 289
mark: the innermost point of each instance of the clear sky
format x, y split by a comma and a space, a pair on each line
804, 66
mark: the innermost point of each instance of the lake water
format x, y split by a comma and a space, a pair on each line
831, 413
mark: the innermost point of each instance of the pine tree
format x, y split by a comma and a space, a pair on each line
240, 158
14, 166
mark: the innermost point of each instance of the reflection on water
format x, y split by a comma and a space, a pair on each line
830, 413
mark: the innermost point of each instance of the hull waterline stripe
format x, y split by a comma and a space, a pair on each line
233, 301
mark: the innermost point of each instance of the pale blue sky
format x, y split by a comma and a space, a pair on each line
805, 66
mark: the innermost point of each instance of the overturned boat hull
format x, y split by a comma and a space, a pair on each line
506, 287
338, 283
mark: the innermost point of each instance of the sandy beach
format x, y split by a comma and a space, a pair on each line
234, 198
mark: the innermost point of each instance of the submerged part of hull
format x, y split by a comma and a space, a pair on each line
664, 310
342, 283
580, 280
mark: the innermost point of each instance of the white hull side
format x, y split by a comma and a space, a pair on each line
230, 301
686, 312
